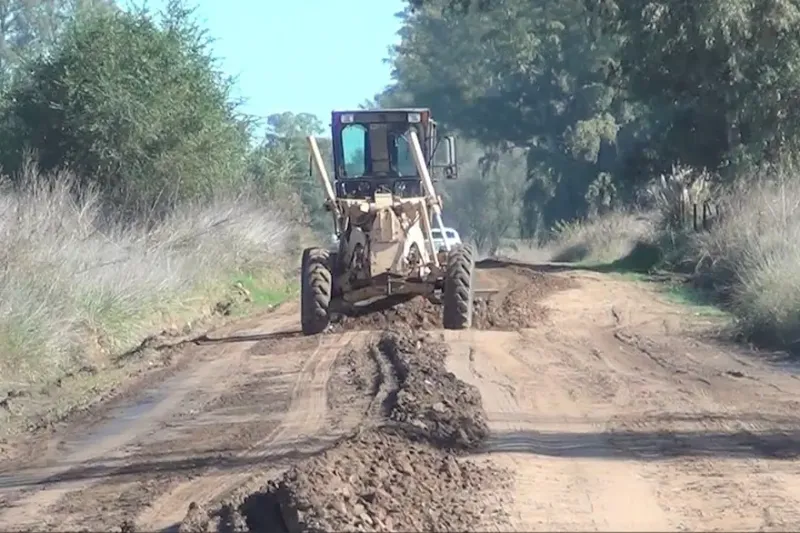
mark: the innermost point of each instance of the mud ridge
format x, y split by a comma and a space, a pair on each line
431, 403
512, 313
400, 470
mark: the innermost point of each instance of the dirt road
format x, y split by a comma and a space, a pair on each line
581, 401
619, 413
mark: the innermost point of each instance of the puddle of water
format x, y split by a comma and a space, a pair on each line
113, 428
121, 426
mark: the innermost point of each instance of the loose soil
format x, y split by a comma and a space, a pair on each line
400, 469
514, 305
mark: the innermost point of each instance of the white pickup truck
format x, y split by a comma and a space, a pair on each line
451, 236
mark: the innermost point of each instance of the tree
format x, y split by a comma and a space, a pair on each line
280, 164
28, 28
485, 203
131, 105
721, 78
532, 74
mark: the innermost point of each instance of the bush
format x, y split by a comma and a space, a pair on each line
606, 238
132, 106
751, 256
76, 287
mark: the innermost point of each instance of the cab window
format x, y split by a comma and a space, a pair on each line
354, 150
402, 160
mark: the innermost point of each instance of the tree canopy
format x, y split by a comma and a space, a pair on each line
604, 95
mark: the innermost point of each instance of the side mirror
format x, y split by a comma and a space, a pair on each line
310, 166
451, 168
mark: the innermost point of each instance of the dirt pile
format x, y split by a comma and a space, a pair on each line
515, 308
418, 313
430, 402
400, 471
378, 481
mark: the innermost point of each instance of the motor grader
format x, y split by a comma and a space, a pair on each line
384, 206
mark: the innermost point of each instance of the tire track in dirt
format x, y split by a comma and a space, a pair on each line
305, 418
200, 420
39, 486
563, 491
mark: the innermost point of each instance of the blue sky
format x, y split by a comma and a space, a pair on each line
301, 55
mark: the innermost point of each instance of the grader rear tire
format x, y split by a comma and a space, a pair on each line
315, 291
458, 288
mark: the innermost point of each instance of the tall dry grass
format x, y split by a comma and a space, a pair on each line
604, 239
75, 287
601, 239
751, 256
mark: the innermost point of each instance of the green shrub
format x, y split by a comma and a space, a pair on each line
130, 105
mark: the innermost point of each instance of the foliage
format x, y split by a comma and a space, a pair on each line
77, 289
132, 198
485, 203
720, 78
604, 94
527, 73
279, 165
133, 106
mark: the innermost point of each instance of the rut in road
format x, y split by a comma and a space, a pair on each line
304, 419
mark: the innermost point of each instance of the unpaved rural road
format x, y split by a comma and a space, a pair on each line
608, 408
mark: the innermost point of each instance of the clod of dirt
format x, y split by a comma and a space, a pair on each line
376, 482
127, 526
430, 401
196, 520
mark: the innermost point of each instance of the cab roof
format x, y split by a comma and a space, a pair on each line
384, 110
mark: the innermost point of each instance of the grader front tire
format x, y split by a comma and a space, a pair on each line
459, 293
315, 291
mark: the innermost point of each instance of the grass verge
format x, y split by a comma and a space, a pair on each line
77, 291
750, 258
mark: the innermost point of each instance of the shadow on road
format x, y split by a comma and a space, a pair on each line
648, 446
152, 465
490, 264
279, 335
